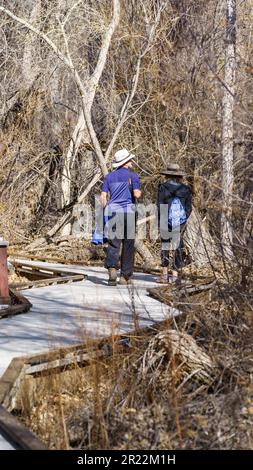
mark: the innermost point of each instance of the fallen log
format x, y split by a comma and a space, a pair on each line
192, 359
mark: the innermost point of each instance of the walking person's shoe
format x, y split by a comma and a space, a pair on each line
123, 280
162, 279
112, 281
174, 278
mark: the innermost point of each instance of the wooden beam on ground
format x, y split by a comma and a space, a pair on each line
44, 270
19, 305
9, 379
48, 282
33, 273
166, 293
47, 258
17, 434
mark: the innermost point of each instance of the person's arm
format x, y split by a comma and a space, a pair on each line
136, 186
103, 199
104, 193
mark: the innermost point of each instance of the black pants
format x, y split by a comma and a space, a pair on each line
125, 237
177, 253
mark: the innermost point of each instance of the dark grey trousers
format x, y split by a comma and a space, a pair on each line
124, 238
177, 254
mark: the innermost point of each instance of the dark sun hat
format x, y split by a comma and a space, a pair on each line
173, 169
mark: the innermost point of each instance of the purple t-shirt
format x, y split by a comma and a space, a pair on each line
119, 183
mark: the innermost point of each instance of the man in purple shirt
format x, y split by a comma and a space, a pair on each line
123, 187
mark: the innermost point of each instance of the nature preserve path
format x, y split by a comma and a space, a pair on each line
67, 313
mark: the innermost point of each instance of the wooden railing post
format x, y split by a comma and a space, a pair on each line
4, 287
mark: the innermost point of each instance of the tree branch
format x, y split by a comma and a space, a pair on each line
95, 77
42, 35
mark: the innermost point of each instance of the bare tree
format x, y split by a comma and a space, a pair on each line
228, 129
87, 88
28, 68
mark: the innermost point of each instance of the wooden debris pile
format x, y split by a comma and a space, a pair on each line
168, 293
64, 249
192, 361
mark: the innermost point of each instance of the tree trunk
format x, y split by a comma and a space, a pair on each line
202, 249
78, 134
228, 131
87, 90
29, 57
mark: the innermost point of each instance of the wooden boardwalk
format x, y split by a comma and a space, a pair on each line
67, 313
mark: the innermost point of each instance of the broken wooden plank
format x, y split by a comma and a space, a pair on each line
48, 282
165, 293
47, 258
33, 273
10, 377
45, 270
60, 365
191, 289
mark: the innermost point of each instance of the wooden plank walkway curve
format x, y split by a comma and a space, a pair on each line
66, 314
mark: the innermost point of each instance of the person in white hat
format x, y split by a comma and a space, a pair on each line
123, 188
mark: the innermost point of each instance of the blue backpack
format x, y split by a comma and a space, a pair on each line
177, 214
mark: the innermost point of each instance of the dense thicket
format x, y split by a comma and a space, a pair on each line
177, 49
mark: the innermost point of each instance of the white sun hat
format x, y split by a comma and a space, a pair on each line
121, 157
